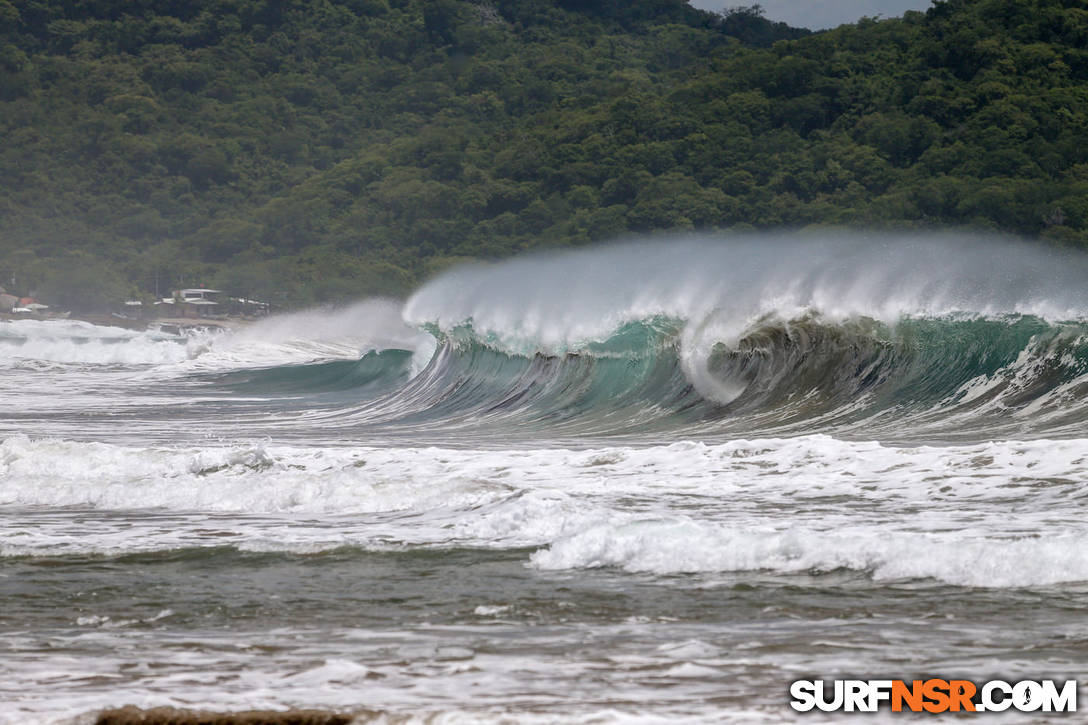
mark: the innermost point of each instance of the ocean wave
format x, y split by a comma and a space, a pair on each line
310, 337
259, 478
291, 339
42, 344
903, 337
375, 372
796, 375
771, 334
550, 303
685, 547
787, 506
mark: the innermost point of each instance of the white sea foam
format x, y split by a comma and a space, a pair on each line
69, 342
779, 505
261, 478
686, 546
314, 335
301, 337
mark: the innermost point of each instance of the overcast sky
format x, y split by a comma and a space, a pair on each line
820, 14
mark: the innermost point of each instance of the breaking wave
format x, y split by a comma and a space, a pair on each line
957, 335
779, 375
687, 547
898, 337
48, 344
247, 498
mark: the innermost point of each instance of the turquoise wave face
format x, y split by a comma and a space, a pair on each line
376, 372
915, 337
913, 378
918, 372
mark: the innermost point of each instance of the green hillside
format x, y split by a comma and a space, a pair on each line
306, 152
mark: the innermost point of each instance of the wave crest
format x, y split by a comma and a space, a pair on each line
901, 337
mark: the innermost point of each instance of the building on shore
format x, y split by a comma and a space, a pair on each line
201, 302
193, 302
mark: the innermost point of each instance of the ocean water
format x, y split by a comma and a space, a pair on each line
643, 482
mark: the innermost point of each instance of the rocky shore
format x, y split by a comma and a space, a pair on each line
169, 716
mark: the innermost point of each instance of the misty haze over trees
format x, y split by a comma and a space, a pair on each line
311, 152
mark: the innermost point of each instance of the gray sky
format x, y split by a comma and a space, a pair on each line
820, 14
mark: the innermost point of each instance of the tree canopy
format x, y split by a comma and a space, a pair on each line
308, 152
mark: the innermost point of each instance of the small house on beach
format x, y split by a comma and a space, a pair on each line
194, 302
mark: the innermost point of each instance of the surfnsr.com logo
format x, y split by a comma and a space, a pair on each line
934, 695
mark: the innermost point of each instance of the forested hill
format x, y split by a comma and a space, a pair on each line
310, 151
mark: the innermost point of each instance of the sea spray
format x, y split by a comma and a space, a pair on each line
317, 335
554, 301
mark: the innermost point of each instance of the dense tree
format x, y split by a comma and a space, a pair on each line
314, 151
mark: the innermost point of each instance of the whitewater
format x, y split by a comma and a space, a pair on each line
656, 480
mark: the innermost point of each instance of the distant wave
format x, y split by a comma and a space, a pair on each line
48, 344
376, 371
301, 338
